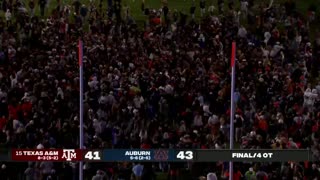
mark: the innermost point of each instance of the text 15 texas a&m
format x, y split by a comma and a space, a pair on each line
46, 155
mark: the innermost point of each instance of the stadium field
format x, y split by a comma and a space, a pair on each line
180, 5
184, 5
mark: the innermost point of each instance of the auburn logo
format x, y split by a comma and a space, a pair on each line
161, 155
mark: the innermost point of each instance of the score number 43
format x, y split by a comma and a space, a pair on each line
188, 155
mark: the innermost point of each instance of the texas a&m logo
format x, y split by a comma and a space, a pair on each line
69, 154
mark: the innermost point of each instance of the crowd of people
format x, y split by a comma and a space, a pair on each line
165, 86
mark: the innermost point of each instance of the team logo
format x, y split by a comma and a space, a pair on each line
69, 154
161, 155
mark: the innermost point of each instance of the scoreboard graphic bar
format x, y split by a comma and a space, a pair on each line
111, 155
207, 155
157, 155
253, 155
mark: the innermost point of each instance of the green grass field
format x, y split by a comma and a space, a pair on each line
184, 5
180, 5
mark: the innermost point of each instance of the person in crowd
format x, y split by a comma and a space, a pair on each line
193, 9
202, 7
31, 8
4, 173
99, 176
8, 16
137, 171
32, 172
42, 4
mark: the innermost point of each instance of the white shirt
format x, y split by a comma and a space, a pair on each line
8, 15
197, 121
308, 97
97, 126
244, 5
267, 36
182, 128
138, 101
275, 50
40, 146
211, 176
242, 32
201, 100
103, 100
206, 110
214, 119
168, 89
93, 83
211, 8
143, 134
265, 52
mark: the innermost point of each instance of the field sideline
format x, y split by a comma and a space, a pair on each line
180, 5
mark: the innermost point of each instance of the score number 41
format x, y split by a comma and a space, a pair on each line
92, 155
